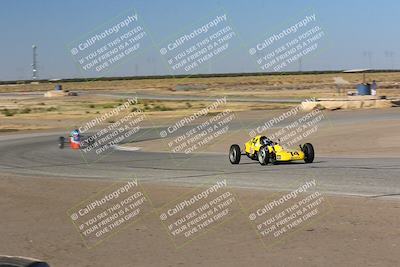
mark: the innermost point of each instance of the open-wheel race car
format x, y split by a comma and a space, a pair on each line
75, 140
266, 151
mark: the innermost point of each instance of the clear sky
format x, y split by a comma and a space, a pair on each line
357, 34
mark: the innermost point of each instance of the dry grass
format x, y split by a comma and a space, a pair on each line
50, 113
41, 113
279, 85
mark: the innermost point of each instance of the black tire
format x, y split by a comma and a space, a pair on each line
263, 155
61, 141
308, 150
234, 154
21, 261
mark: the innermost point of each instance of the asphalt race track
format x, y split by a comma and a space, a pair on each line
38, 155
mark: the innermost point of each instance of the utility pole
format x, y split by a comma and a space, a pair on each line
34, 63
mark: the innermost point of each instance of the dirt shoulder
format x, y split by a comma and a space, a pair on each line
356, 231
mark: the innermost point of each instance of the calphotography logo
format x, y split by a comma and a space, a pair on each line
106, 132
291, 127
284, 214
196, 213
110, 211
105, 47
198, 131
200, 46
289, 45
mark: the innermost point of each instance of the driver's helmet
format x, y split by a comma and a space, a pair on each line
75, 132
266, 141
75, 135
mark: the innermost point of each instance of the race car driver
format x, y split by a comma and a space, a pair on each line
75, 139
265, 141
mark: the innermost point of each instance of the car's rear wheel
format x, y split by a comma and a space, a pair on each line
234, 154
272, 158
263, 155
61, 141
308, 150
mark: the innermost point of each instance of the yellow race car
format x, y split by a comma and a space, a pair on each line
266, 151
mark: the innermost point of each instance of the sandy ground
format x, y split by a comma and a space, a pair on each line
355, 231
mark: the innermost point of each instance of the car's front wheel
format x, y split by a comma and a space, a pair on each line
263, 155
234, 154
